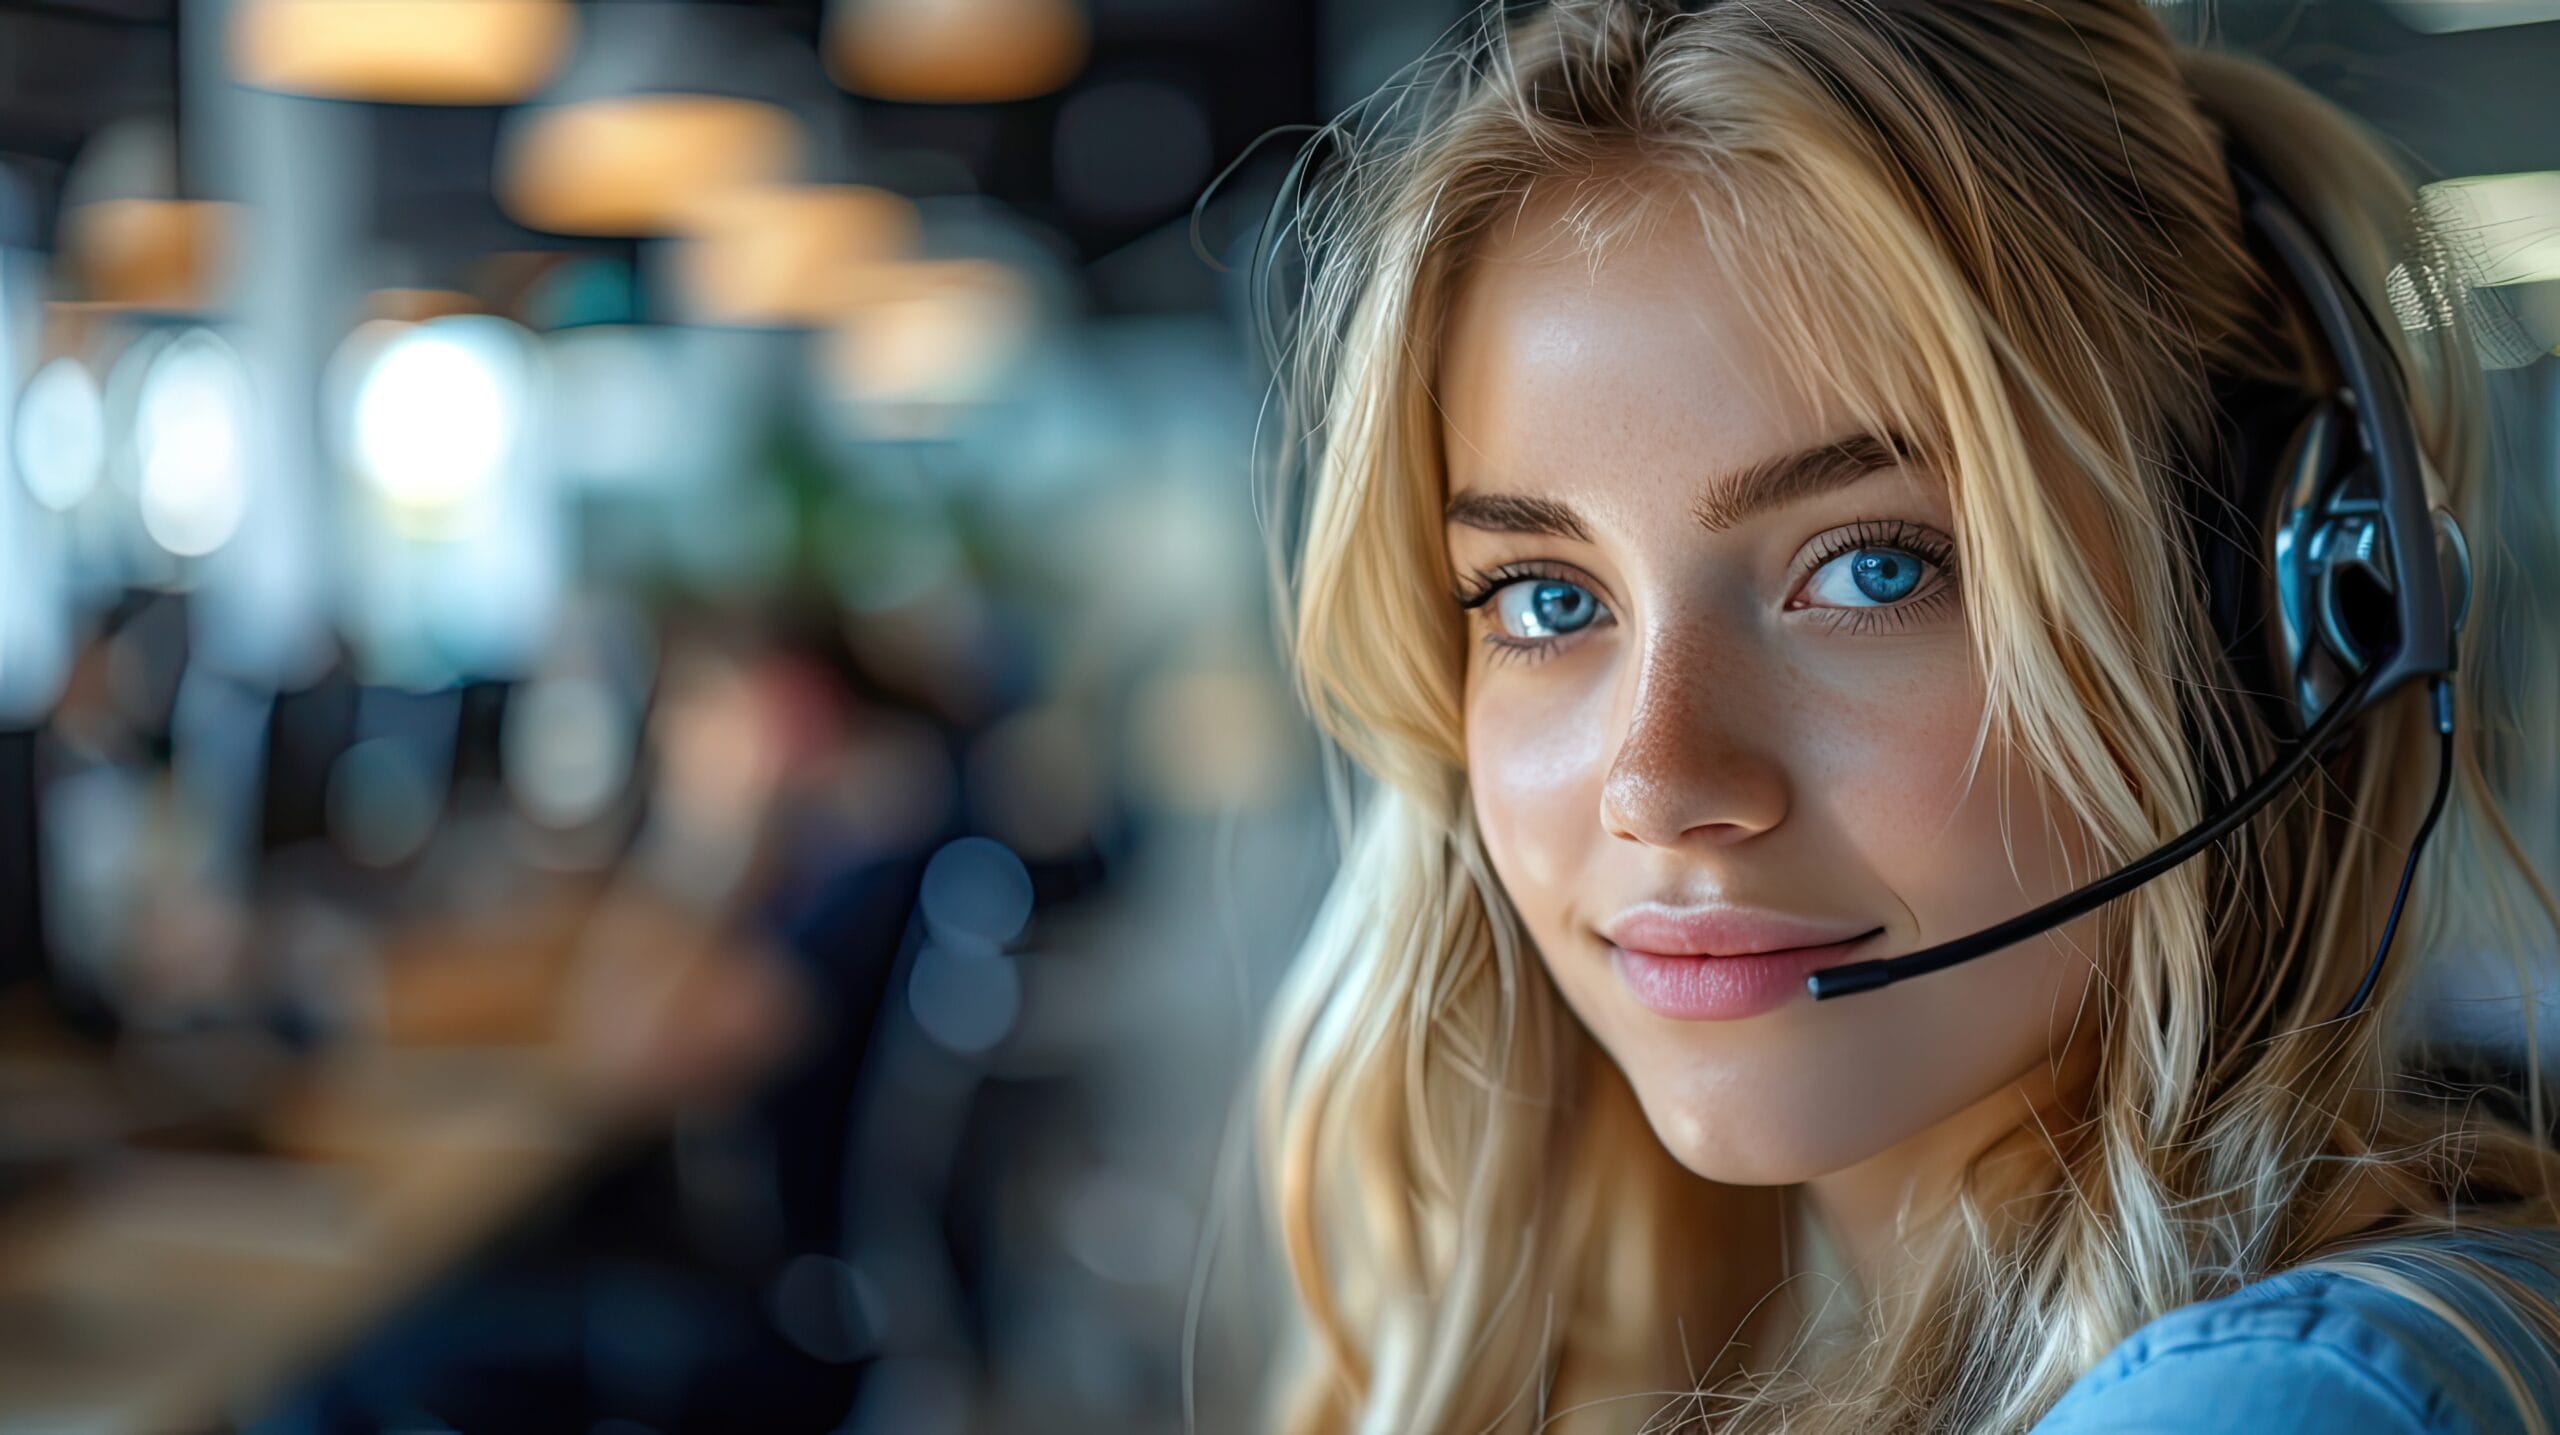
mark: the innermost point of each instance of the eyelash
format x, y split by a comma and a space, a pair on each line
1483, 586
1925, 544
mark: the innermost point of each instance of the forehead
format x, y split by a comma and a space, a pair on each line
1604, 366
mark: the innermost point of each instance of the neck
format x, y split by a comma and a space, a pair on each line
1872, 1209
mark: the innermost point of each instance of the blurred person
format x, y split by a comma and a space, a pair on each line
1746, 535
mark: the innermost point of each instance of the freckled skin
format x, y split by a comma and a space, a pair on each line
1701, 742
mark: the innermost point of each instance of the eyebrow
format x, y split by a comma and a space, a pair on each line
1769, 484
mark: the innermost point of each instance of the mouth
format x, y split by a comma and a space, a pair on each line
1712, 987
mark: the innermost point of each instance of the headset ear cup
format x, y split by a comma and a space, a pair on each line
2453, 561
2306, 668
2359, 622
2235, 501
2327, 662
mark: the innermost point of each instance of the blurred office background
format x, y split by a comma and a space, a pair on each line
643, 780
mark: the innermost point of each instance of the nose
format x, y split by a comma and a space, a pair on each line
1695, 765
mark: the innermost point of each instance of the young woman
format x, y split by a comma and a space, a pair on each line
1745, 448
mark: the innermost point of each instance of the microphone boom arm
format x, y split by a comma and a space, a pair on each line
1884, 971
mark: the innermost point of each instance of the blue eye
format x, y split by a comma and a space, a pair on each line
1868, 577
1544, 608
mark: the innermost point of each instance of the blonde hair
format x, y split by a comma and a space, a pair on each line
2003, 231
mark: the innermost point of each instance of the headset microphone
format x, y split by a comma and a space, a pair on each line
2371, 586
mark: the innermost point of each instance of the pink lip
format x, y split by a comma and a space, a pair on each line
1722, 964
1720, 931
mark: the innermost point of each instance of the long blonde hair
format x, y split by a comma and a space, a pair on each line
2004, 231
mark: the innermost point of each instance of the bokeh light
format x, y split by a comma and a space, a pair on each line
435, 52
61, 434
567, 748
921, 338
1211, 740
439, 410
190, 439
638, 164
955, 51
1039, 779
788, 255
976, 894
151, 253
967, 1000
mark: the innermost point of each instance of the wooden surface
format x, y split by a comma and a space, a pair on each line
176, 1291
163, 1289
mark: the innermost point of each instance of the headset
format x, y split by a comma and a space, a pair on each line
2346, 585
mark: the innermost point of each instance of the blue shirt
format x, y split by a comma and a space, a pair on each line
2321, 1350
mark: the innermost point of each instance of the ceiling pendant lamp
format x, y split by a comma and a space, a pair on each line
128, 240
789, 255
659, 110
955, 51
419, 52
165, 255
634, 165
924, 338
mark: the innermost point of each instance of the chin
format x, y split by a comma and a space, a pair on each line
1768, 1116
1741, 1144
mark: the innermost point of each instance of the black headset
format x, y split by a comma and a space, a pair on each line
2345, 586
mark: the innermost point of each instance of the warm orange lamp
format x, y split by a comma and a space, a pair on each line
419, 52
927, 335
142, 253
788, 255
636, 164
955, 51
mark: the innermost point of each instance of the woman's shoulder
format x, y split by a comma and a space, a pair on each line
2386, 1337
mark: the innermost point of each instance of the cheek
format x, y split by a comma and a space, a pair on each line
1886, 805
1961, 844
1535, 762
